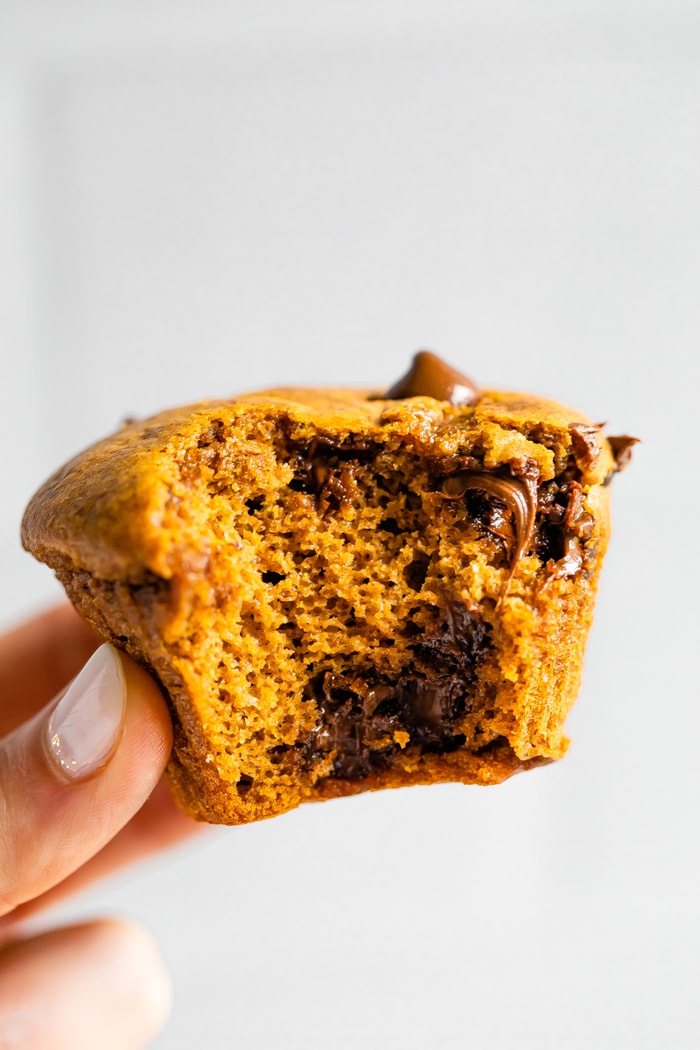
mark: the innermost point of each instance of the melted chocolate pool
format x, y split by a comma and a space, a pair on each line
364, 720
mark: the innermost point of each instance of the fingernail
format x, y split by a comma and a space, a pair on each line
87, 723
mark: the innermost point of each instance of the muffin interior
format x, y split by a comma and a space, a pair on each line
352, 617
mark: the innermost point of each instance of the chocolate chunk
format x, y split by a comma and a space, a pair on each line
565, 527
325, 468
584, 438
360, 715
571, 560
459, 647
342, 727
518, 494
430, 376
622, 449
429, 709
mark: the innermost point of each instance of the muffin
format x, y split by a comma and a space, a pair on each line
341, 590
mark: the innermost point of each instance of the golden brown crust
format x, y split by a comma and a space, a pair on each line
265, 557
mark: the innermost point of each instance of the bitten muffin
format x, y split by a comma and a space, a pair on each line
342, 591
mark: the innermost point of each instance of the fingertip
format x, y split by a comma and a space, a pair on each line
111, 698
98, 984
75, 775
137, 959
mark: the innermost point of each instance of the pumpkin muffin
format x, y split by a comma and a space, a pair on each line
341, 590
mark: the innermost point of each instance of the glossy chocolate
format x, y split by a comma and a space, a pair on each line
430, 376
518, 494
622, 446
571, 560
586, 443
325, 468
365, 719
566, 528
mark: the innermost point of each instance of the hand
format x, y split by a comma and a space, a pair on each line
80, 794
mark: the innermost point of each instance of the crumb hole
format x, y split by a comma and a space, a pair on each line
416, 572
273, 577
244, 785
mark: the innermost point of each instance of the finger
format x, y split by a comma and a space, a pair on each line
101, 984
159, 824
77, 772
37, 659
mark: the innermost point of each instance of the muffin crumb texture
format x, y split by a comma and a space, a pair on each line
341, 592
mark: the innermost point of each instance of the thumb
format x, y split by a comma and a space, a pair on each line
75, 774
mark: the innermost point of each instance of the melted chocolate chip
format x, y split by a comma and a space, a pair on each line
565, 527
323, 468
362, 717
571, 560
458, 647
430, 376
622, 449
519, 496
584, 438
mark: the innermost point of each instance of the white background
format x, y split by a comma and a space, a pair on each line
200, 198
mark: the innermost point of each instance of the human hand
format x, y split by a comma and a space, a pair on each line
79, 796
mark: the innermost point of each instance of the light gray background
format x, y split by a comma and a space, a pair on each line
199, 198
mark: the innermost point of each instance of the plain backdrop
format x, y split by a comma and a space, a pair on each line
202, 198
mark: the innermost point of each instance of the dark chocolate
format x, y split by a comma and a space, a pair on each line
584, 438
571, 560
519, 496
458, 647
430, 376
622, 446
359, 714
565, 528
323, 467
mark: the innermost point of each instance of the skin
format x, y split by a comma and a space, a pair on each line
98, 983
